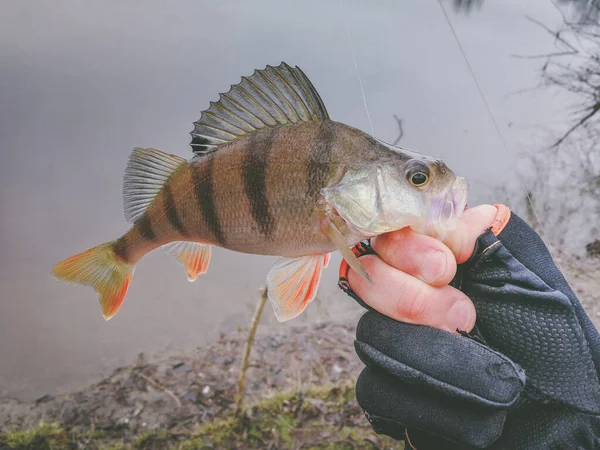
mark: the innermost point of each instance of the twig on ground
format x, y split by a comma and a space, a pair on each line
160, 387
241, 384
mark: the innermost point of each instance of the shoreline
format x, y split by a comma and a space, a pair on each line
180, 393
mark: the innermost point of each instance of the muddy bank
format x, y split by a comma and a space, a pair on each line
181, 395
300, 394
583, 275
188, 388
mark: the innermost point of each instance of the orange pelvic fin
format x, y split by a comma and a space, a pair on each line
193, 256
100, 268
292, 284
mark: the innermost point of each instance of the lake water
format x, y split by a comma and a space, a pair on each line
84, 82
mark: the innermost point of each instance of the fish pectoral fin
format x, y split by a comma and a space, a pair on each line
292, 284
332, 232
193, 256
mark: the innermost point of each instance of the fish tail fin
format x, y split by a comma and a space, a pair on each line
101, 268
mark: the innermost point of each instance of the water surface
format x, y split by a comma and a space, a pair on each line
84, 82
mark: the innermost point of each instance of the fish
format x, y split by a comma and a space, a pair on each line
271, 174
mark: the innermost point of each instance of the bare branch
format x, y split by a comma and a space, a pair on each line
578, 75
547, 55
555, 34
522, 91
401, 130
586, 11
581, 122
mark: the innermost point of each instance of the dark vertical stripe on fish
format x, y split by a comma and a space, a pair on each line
253, 173
145, 227
203, 190
171, 211
318, 167
120, 248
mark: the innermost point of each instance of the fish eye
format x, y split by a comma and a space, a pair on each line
417, 173
419, 179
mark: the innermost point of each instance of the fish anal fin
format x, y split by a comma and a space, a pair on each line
147, 171
269, 97
292, 284
193, 256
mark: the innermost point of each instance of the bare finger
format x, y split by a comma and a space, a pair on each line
408, 299
470, 226
418, 255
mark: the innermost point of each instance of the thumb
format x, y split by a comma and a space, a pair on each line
473, 222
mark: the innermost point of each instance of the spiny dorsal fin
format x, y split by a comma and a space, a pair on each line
147, 171
273, 96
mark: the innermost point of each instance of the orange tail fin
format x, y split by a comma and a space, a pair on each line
100, 268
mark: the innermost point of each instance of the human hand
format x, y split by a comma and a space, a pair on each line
411, 274
526, 377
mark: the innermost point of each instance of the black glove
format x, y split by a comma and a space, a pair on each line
527, 377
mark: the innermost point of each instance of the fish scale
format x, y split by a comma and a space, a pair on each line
272, 175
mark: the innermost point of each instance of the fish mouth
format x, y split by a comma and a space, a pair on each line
449, 206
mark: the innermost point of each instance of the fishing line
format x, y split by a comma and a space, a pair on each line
491, 114
362, 90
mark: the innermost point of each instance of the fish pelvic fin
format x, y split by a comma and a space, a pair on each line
270, 97
101, 268
331, 231
292, 284
147, 172
193, 256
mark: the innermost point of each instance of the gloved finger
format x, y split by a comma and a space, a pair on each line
405, 298
531, 322
423, 378
390, 406
451, 365
418, 255
471, 224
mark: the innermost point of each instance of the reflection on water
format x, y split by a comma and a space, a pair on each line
84, 83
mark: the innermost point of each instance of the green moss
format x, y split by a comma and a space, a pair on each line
41, 438
288, 418
317, 417
153, 440
47, 437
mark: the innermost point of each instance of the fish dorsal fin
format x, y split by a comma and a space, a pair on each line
146, 173
270, 97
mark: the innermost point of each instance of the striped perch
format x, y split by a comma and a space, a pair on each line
271, 175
